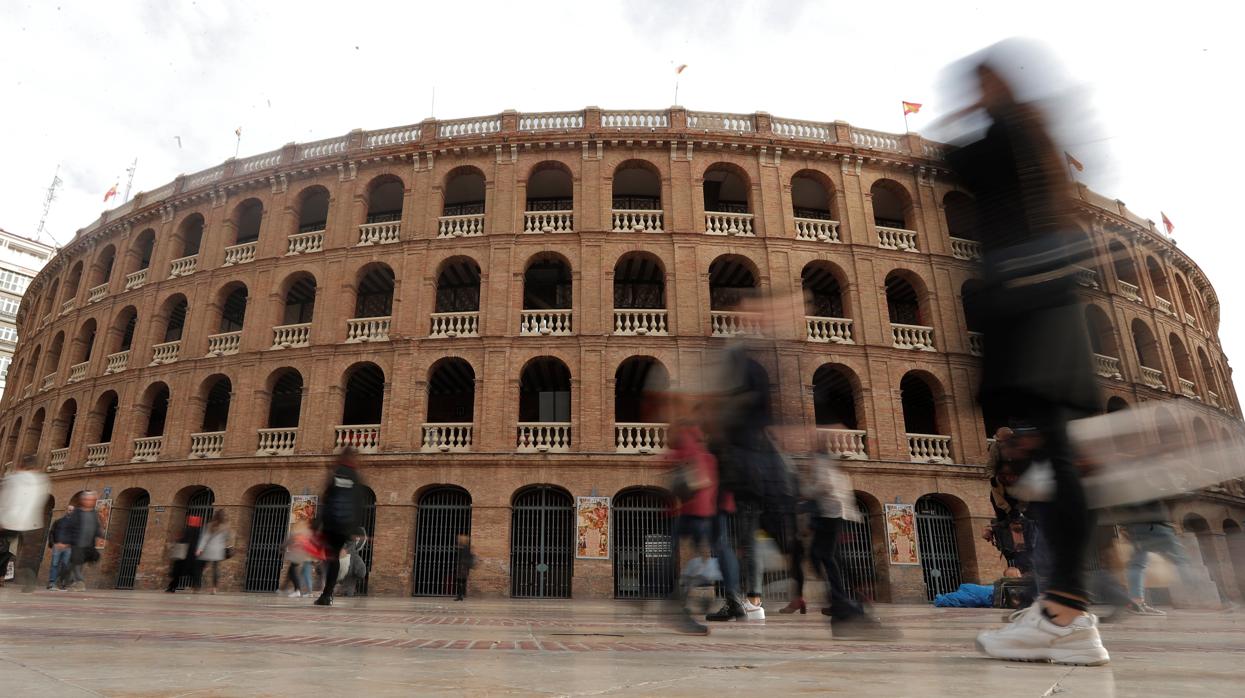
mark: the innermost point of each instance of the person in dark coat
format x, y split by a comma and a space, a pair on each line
60, 544
465, 560
84, 533
188, 564
340, 515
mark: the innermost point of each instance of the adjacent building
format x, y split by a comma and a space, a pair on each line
20, 259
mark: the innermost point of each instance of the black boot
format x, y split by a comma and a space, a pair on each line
731, 610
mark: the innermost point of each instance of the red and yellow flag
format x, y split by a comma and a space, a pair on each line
112, 191
1167, 223
682, 67
911, 108
1074, 162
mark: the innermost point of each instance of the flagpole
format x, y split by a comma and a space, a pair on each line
906, 130
129, 182
238, 144
676, 89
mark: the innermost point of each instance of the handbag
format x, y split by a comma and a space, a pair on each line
179, 551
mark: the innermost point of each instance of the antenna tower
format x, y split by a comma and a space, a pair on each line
47, 206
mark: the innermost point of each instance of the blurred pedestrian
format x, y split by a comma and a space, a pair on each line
694, 483
300, 550
185, 557
464, 560
86, 537
60, 544
340, 514
23, 496
215, 546
353, 566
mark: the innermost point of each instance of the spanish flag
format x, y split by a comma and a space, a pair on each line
911, 108
112, 191
1074, 162
1167, 223
682, 67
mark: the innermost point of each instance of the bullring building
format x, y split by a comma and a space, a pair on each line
477, 303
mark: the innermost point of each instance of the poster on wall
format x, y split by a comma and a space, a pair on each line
592, 528
103, 509
302, 510
901, 534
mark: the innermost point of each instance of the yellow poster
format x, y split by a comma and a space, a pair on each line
592, 537
901, 534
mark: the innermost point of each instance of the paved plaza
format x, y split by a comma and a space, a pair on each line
110, 643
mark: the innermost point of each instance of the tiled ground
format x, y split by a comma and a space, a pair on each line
150, 644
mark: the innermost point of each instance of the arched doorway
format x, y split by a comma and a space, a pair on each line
201, 504
855, 556
936, 543
132, 541
269, 524
369, 527
542, 543
642, 544
441, 515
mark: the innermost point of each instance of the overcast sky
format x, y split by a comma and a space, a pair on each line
91, 86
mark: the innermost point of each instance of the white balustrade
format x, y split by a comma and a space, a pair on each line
551, 121
97, 293
1085, 277
929, 448
1214, 398
878, 140
544, 436
304, 243
77, 372
545, 322
976, 344
447, 436
224, 343
718, 223
97, 454
638, 221
638, 437
836, 330
1130, 291
816, 230
205, 177
1153, 378
1189, 318
728, 323
896, 239
460, 226
57, 459
640, 321
208, 444
740, 123
165, 353
1164, 305
635, 119
367, 329
806, 130
28, 390
917, 337
380, 233
465, 324
391, 136
68, 306
468, 127
1187, 388
364, 438
548, 221
1107, 366
47, 382
965, 249
147, 448
116, 363
183, 266
240, 254
934, 151
324, 148
133, 281
277, 442
255, 163
45, 320
845, 443
287, 336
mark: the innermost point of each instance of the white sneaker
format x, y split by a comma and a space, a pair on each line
295, 594
754, 611
1033, 638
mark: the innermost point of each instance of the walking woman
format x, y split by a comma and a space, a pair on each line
215, 545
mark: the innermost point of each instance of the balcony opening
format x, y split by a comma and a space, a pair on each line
1167, 432
972, 296
374, 292
384, 199
173, 315
50, 306
810, 196
892, 205
32, 366
365, 395
216, 395
300, 300
247, 219
823, 295
451, 392
1158, 279
1101, 332
639, 282
190, 235
549, 188
63, 426
726, 190
732, 278
903, 305
84, 344
13, 441
140, 252
961, 214
640, 383
1208, 373
101, 270
34, 434
1184, 367
834, 397
232, 308
105, 416
123, 329
458, 286
547, 284
1116, 404
1186, 298
464, 193
313, 209
1125, 270
156, 404
286, 402
545, 391
637, 187
72, 283
1146, 346
920, 412
53, 358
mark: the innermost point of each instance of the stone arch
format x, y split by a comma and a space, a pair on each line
727, 188
892, 205
385, 195
812, 195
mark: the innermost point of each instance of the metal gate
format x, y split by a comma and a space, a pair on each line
855, 556
132, 543
369, 527
642, 553
201, 504
269, 524
940, 554
441, 515
542, 544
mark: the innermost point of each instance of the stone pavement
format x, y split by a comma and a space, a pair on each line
114, 643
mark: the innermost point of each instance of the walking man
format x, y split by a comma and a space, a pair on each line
341, 514
60, 544
85, 535
23, 495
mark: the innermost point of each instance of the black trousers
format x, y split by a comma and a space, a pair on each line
333, 543
460, 588
825, 545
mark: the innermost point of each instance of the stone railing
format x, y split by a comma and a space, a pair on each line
965, 249
1214, 398
816, 230
478, 126
1164, 305
804, 130
877, 140
205, 177
304, 243
48, 382
277, 442
147, 448
551, 121
183, 266
460, 226
545, 322
1188, 388
287, 336
710, 121
324, 148
45, 320
718, 223
639, 321
208, 444
116, 363
224, 343
391, 136
917, 337
1085, 277
28, 391
1189, 318
976, 344
845, 443
255, 163
929, 448
364, 438
78, 371
97, 293
548, 221
896, 239
1107, 366
1130, 291
836, 330
629, 220
367, 329
448, 325
728, 323
240, 254
635, 119
57, 458
380, 233
165, 353
1153, 378
446, 436
68, 306
544, 436
97, 454
135, 280
638, 437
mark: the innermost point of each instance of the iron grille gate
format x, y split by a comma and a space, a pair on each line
855, 556
642, 552
369, 527
269, 524
132, 543
542, 544
201, 504
940, 554
442, 515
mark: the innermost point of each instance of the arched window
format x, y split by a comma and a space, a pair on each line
637, 198
313, 209
50, 299
639, 283
726, 190
1184, 367
374, 291
365, 395
1158, 279
63, 426
141, 251
919, 395
834, 397
1101, 333
156, 405
823, 294
892, 205
299, 305
811, 196
1186, 299
83, 346
549, 188
285, 402
173, 318
1146, 346
451, 406
961, 216
464, 194
72, 283
732, 278
458, 286
52, 362
216, 393
232, 303
34, 435
906, 311
384, 199
546, 297
545, 391
104, 417
13, 441
1125, 269
247, 218
32, 367
101, 270
637, 411
189, 237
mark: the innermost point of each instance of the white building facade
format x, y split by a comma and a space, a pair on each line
20, 259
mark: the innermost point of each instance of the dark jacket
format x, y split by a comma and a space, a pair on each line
341, 506
60, 532
82, 528
466, 560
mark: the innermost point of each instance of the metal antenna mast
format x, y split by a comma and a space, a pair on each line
47, 204
129, 182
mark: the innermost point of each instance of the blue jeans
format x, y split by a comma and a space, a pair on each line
60, 561
747, 521
1153, 538
727, 561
